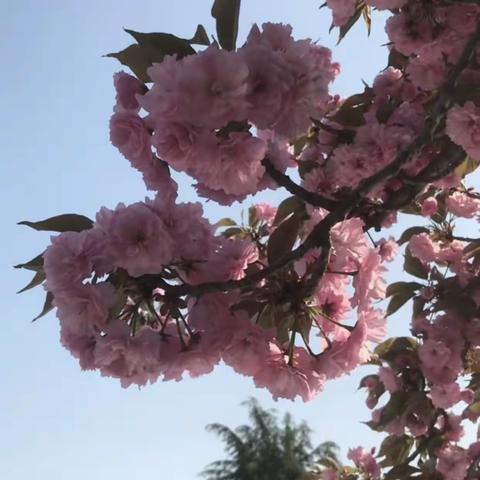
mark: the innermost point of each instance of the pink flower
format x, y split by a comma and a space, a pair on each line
434, 353
287, 381
228, 261
85, 308
407, 33
288, 82
191, 232
342, 11
365, 461
389, 379
349, 244
350, 164
198, 359
136, 238
388, 83
388, 249
446, 395
452, 462
181, 145
127, 87
463, 205
344, 356
249, 350
70, 259
422, 247
429, 206
368, 282
205, 90
133, 360
129, 134
427, 70
454, 428
234, 166
386, 4
80, 345
375, 324
463, 127
264, 212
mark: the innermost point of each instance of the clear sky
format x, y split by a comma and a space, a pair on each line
56, 96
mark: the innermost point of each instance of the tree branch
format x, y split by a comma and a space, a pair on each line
285, 181
320, 235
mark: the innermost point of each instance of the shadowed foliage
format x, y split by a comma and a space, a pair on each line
267, 448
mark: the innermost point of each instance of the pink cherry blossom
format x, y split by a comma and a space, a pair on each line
386, 4
429, 207
285, 380
389, 379
136, 238
127, 87
463, 205
445, 396
342, 10
265, 212
422, 247
205, 90
365, 461
130, 135
288, 83
70, 259
452, 463
463, 127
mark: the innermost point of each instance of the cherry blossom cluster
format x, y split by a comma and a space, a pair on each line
116, 317
201, 109
293, 296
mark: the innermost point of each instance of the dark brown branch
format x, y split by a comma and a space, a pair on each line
285, 181
320, 235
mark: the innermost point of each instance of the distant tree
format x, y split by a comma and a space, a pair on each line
267, 449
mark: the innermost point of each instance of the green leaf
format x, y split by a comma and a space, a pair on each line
288, 207
414, 266
397, 302
233, 232
226, 13
351, 112
395, 449
365, 380
35, 264
69, 222
152, 48
47, 306
410, 232
359, 11
252, 217
200, 37
137, 60
37, 279
160, 44
367, 18
284, 323
394, 408
468, 166
397, 60
266, 319
390, 348
226, 222
283, 238
397, 288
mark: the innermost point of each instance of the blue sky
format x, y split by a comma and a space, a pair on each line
56, 98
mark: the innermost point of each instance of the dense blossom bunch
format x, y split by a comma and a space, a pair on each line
292, 297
